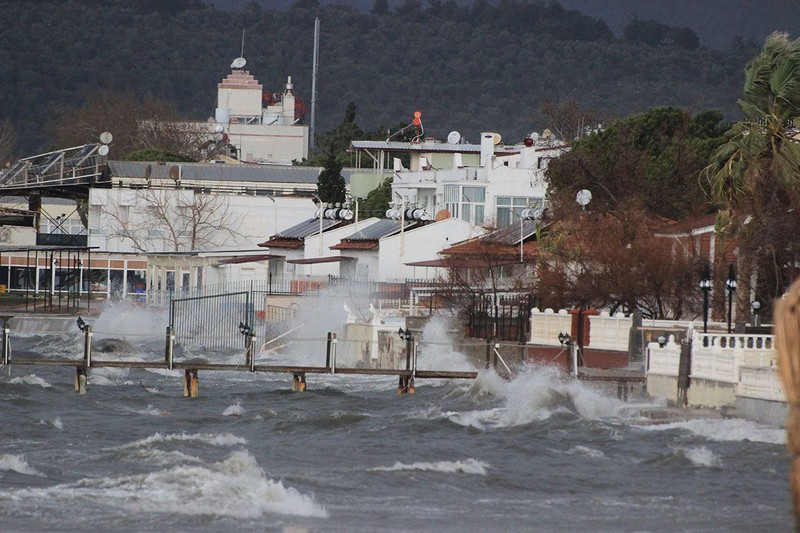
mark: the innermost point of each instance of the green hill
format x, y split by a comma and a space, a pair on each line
472, 69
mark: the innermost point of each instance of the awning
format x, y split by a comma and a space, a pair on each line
315, 260
248, 259
463, 263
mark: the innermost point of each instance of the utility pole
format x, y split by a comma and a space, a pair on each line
314, 84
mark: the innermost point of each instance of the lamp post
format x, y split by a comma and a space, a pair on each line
705, 286
566, 341
406, 384
730, 285
756, 307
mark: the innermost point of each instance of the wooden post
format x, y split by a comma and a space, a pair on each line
169, 350
80, 379
299, 382
333, 353
191, 383
250, 354
328, 352
488, 354
87, 346
6, 344
684, 371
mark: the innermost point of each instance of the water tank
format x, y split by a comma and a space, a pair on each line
222, 115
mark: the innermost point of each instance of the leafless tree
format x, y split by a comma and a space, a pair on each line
567, 118
8, 141
180, 219
137, 124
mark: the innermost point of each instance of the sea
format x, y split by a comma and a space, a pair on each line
538, 452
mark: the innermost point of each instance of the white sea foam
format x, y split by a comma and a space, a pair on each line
151, 411
30, 379
701, 456
435, 350
57, 423
235, 487
585, 451
535, 394
129, 321
728, 429
159, 457
18, 464
467, 466
234, 410
220, 439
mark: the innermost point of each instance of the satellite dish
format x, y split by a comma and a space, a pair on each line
497, 138
534, 136
442, 214
103, 150
239, 62
583, 197
174, 172
106, 137
219, 128
546, 133
453, 137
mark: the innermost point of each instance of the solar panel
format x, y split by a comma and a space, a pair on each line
512, 234
9, 175
382, 228
81, 155
306, 228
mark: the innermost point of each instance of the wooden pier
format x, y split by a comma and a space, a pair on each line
192, 367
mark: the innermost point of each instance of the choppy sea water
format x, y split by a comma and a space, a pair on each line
537, 453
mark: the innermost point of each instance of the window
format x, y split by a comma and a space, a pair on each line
509, 208
466, 203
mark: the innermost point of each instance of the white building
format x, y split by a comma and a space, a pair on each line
260, 126
381, 252
486, 185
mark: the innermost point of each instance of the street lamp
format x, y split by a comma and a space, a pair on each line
705, 286
564, 339
566, 342
730, 285
756, 307
244, 329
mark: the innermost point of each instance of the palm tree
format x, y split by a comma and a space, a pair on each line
754, 175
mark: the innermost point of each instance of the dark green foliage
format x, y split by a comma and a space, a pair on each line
473, 68
377, 201
653, 33
655, 157
157, 155
330, 184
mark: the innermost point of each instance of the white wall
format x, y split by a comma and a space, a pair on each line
329, 238
420, 244
253, 218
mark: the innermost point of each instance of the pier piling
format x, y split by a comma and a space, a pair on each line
169, 351
299, 382
191, 383
80, 379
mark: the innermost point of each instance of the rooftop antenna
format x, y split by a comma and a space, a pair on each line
314, 82
240, 61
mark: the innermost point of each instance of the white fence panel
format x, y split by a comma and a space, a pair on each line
547, 324
609, 332
762, 383
663, 361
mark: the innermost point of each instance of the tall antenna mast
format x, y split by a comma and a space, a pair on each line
314, 82
242, 54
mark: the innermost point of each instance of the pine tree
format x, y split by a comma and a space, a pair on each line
330, 183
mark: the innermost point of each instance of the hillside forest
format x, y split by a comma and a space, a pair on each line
473, 68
